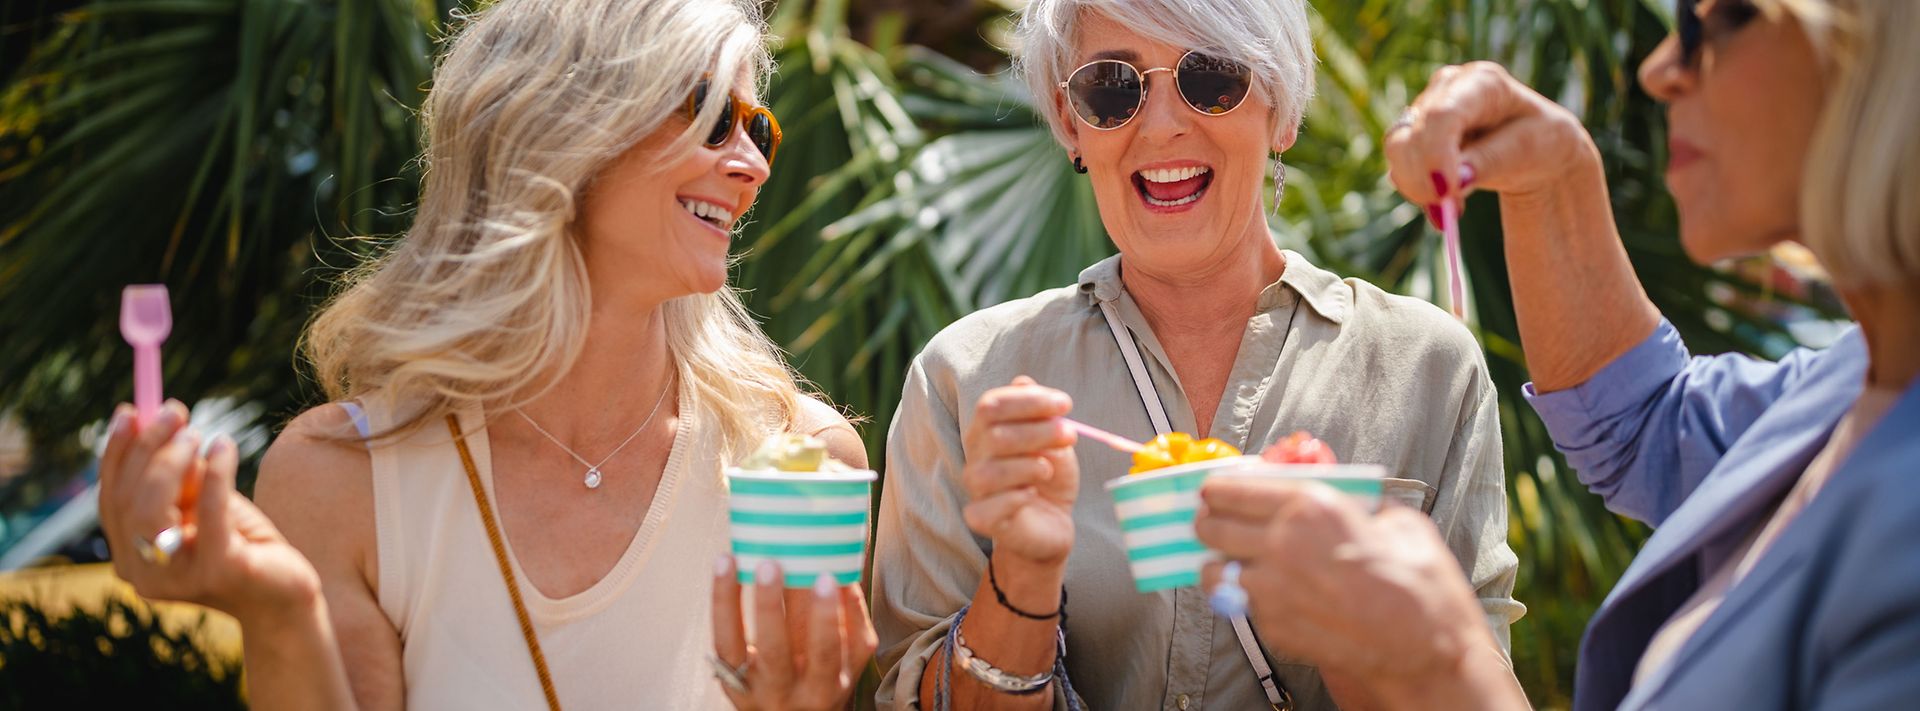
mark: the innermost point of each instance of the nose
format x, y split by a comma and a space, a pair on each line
1664, 74
1166, 116
741, 161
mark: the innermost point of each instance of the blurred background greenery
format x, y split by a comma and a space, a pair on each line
228, 148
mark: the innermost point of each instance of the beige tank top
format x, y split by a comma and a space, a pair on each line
639, 638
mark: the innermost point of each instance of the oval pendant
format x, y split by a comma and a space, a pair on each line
593, 478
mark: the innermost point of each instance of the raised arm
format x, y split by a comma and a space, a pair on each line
1012, 474
1640, 421
1577, 298
233, 558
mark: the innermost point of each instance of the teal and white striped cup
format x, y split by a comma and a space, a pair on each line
1361, 481
807, 522
1156, 522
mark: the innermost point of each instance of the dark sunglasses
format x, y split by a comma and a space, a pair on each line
762, 128
1724, 16
1107, 93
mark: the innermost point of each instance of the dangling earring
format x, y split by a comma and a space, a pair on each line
1279, 183
1079, 167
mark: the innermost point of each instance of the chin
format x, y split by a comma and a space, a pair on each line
1709, 246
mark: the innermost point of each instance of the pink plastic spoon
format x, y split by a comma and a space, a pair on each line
146, 319
1450, 231
1102, 436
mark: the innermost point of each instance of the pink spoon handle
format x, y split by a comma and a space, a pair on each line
1456, 288
1102, 436
146, 382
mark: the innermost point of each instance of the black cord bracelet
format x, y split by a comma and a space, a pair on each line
1001, 596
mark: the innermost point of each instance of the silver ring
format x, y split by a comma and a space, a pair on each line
160, 550
730, 676
1405, 121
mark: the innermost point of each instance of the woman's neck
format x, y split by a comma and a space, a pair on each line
1223, 294
1889, 317
623, 368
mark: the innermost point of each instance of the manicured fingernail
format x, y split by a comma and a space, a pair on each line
168, 418
1433, 217
765, 572
824, 585
1439, 184
721, 566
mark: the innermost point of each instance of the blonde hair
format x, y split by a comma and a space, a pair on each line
1858, 211
1271, 37
485, 299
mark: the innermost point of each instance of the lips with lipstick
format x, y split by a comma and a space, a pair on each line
1172, 187
708, 212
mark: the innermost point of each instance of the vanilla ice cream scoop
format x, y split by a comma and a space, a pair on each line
791, 452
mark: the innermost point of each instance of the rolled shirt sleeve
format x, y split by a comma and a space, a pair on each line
1645, 430
925, 560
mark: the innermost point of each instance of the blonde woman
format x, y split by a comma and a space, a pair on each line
516, 499
1783, 573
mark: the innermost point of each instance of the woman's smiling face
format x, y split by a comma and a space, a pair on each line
1178, 190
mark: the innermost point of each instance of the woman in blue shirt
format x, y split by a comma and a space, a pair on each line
1784, 571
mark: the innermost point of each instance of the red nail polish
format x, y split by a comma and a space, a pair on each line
1433, 217
1439, 184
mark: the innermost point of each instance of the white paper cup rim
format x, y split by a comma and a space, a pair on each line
1178, 470
855, 475
1266, 469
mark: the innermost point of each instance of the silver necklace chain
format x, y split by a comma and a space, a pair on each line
593, 477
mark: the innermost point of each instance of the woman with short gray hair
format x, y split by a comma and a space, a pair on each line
988, 540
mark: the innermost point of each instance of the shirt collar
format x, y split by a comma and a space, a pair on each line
1323, 290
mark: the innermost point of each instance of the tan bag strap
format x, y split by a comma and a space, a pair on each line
506, 570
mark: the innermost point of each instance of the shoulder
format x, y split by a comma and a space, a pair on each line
316, 483
815, 417
1408, 328
966, 343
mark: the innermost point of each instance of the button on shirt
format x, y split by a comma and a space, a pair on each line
1383, 379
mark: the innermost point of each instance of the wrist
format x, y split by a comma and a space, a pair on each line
293, 606
1033, 587
1474, 674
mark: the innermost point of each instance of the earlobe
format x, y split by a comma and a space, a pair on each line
1285, 139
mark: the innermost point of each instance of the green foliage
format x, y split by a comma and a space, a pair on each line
218, 145
208, 144
120, 657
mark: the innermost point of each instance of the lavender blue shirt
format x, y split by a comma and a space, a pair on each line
1703, 447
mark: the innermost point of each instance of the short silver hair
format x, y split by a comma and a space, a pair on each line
1271, 37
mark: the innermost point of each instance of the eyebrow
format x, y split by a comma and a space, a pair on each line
1124, 55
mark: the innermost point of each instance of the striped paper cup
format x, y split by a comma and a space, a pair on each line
808, 522
1361, 481
1156, 522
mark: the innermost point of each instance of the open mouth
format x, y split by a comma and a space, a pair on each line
721, 218
1173, 187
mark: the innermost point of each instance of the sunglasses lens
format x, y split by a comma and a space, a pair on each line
721, 126
1106, 94
1687, 24
761, 131
1213, 85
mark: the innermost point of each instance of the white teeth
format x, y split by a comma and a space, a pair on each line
1173, 175
710, 212
1151, 200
